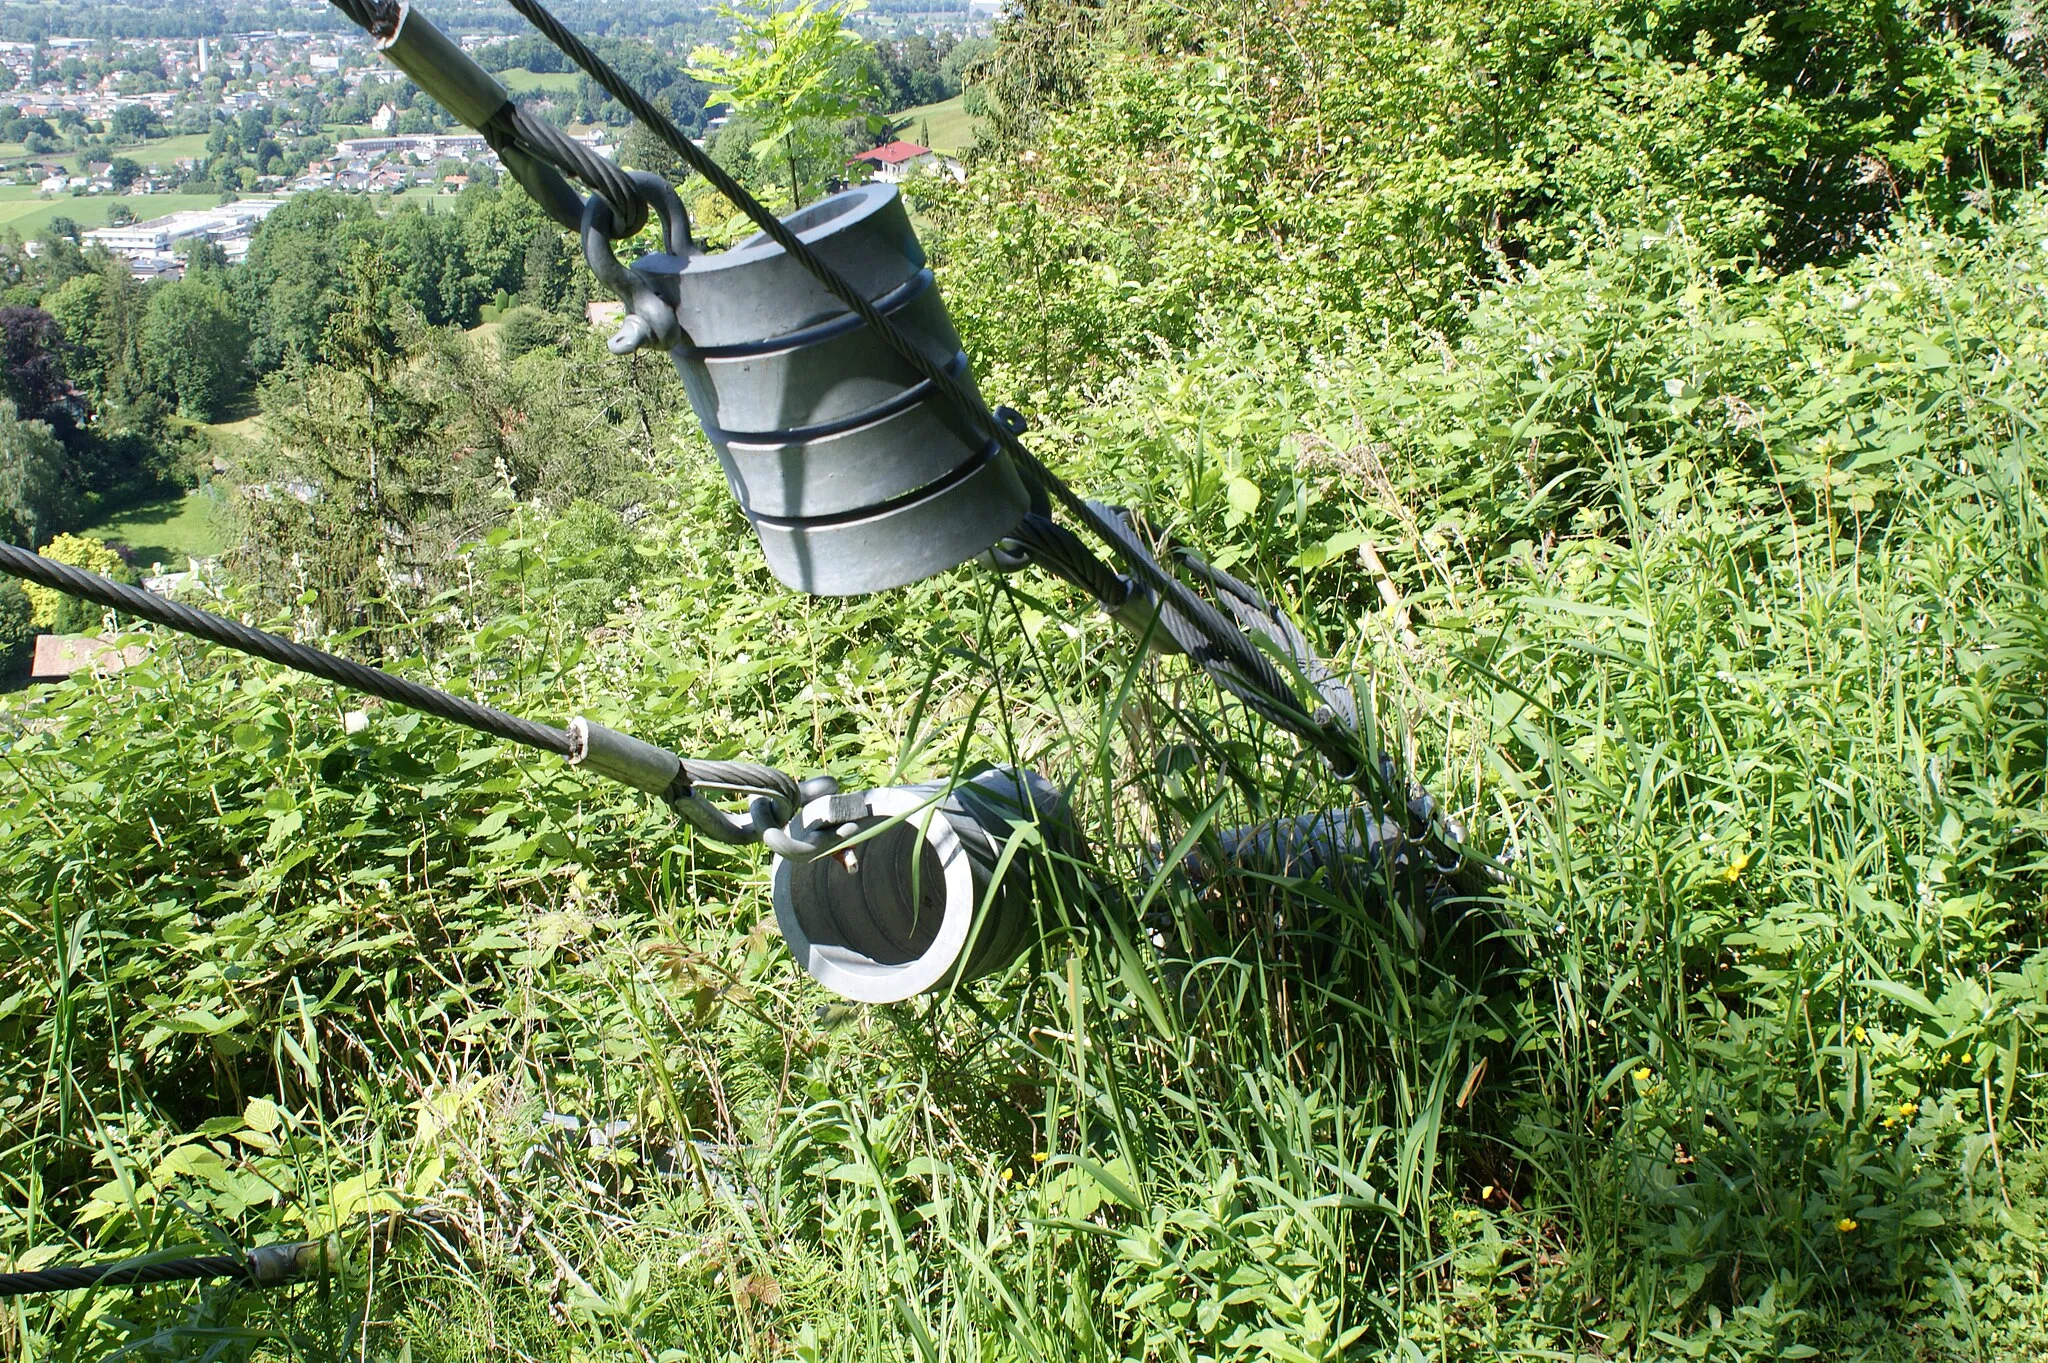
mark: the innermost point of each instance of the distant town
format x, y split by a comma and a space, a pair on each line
99, 135
270, 104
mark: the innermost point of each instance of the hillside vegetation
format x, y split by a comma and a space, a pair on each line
1642, 400
944, 127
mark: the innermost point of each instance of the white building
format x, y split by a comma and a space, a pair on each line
425, 146
898, 161
230, 225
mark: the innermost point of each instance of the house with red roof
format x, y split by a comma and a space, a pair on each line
898, 161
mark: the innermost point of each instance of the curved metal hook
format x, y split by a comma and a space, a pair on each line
650, 316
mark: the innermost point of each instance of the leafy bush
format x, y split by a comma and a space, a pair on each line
60, 614
523, 330
1354, 189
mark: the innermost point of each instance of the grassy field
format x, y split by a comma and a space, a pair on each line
168, 530
165, 151
28, 212
247, 428
526, 82
951, 128
162, 151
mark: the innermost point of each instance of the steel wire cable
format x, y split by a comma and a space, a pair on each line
72, 1277
363, 13
272, 1265
278, 649
515, 130
742, 778
607, 178
1054, 547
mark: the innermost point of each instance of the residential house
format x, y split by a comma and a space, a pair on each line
898, 161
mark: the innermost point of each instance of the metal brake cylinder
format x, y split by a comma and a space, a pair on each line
856, 475
919, 905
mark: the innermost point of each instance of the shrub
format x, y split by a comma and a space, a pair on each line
525, 329
54, 611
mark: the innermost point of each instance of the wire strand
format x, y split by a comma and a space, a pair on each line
72, 1277
277, 649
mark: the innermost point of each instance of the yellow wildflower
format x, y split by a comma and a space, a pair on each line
1642, 1076
1039, 1157
1846, 1224
1737, 867
1909, 1110
1859, 1033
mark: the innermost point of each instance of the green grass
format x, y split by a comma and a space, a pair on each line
168, 530
164, 152
241, 429
521, 82
160, 152
952, 128
29, 213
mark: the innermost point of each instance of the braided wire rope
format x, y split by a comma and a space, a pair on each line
551, 144
72, 1277
745, 778
515, 134
278, 649
272, 1265
363, 13
1059, 550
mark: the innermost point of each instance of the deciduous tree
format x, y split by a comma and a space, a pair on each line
196, 345
798, 74
33, 498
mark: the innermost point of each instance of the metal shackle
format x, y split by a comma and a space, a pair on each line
856, 475
908, 910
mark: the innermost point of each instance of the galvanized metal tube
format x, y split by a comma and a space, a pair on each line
621, 757
467, 91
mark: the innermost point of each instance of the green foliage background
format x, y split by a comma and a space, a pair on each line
1642, 399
